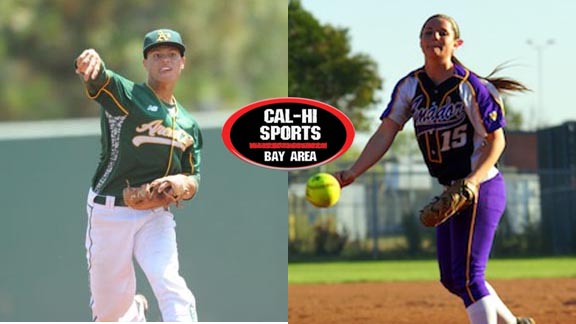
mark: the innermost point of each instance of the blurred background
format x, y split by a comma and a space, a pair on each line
231, 236
352, 61
236, 51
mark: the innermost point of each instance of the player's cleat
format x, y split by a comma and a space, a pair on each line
142, 306
525, 320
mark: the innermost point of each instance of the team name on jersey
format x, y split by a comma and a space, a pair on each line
156, 133
447, 114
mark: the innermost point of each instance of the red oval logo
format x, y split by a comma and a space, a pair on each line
288, 133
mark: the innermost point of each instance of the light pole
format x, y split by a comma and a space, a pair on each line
539, 49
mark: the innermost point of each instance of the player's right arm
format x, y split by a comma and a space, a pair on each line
376, 147
392, 120
112, 91
91, 68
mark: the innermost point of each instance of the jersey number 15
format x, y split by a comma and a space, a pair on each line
454, 138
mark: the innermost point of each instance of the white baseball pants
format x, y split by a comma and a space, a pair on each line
114, 238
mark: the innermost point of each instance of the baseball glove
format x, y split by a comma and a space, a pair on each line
161, 192
453, 200
146, 196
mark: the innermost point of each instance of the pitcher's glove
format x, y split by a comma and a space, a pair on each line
453, 200
160, 193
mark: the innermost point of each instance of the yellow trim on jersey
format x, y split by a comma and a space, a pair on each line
175, 106
124, 110
173, 126
191, 161
476, 106
469, 251
475, 100
162, 101
429, 152
423, 89
396, 96
497, 99
171, 146
464, 78
103, 89
108, 78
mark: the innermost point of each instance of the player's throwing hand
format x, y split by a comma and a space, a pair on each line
345, 177
88, 64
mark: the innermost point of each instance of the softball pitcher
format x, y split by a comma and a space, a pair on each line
147, 137
458, 119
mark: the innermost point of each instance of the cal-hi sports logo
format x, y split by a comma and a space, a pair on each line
288, 133
156, 133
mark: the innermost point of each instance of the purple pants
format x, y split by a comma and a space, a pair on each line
464, 242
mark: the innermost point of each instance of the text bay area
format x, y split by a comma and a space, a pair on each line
295, 156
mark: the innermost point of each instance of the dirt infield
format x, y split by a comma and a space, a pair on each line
548, 301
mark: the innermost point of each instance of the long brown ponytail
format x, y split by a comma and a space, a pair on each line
503, 84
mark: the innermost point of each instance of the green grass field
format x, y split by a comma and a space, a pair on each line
375, 271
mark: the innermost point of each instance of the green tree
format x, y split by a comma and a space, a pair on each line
322, 67
236, 51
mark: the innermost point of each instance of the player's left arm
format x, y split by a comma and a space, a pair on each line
184, 185
487, 116
192, 160
490, 152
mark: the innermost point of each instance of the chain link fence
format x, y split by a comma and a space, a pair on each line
377, 216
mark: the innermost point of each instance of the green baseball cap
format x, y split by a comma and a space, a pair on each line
163, 37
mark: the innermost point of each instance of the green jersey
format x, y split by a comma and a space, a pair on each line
143, 138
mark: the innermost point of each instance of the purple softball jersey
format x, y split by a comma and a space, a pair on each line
451, 121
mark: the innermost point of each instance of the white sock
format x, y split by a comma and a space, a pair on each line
483, 311
505, 316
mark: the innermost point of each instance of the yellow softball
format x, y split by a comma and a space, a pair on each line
323, 190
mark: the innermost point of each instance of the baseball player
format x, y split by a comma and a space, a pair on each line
458, 119
147, 137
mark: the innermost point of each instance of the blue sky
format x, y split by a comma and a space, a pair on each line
493, 31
